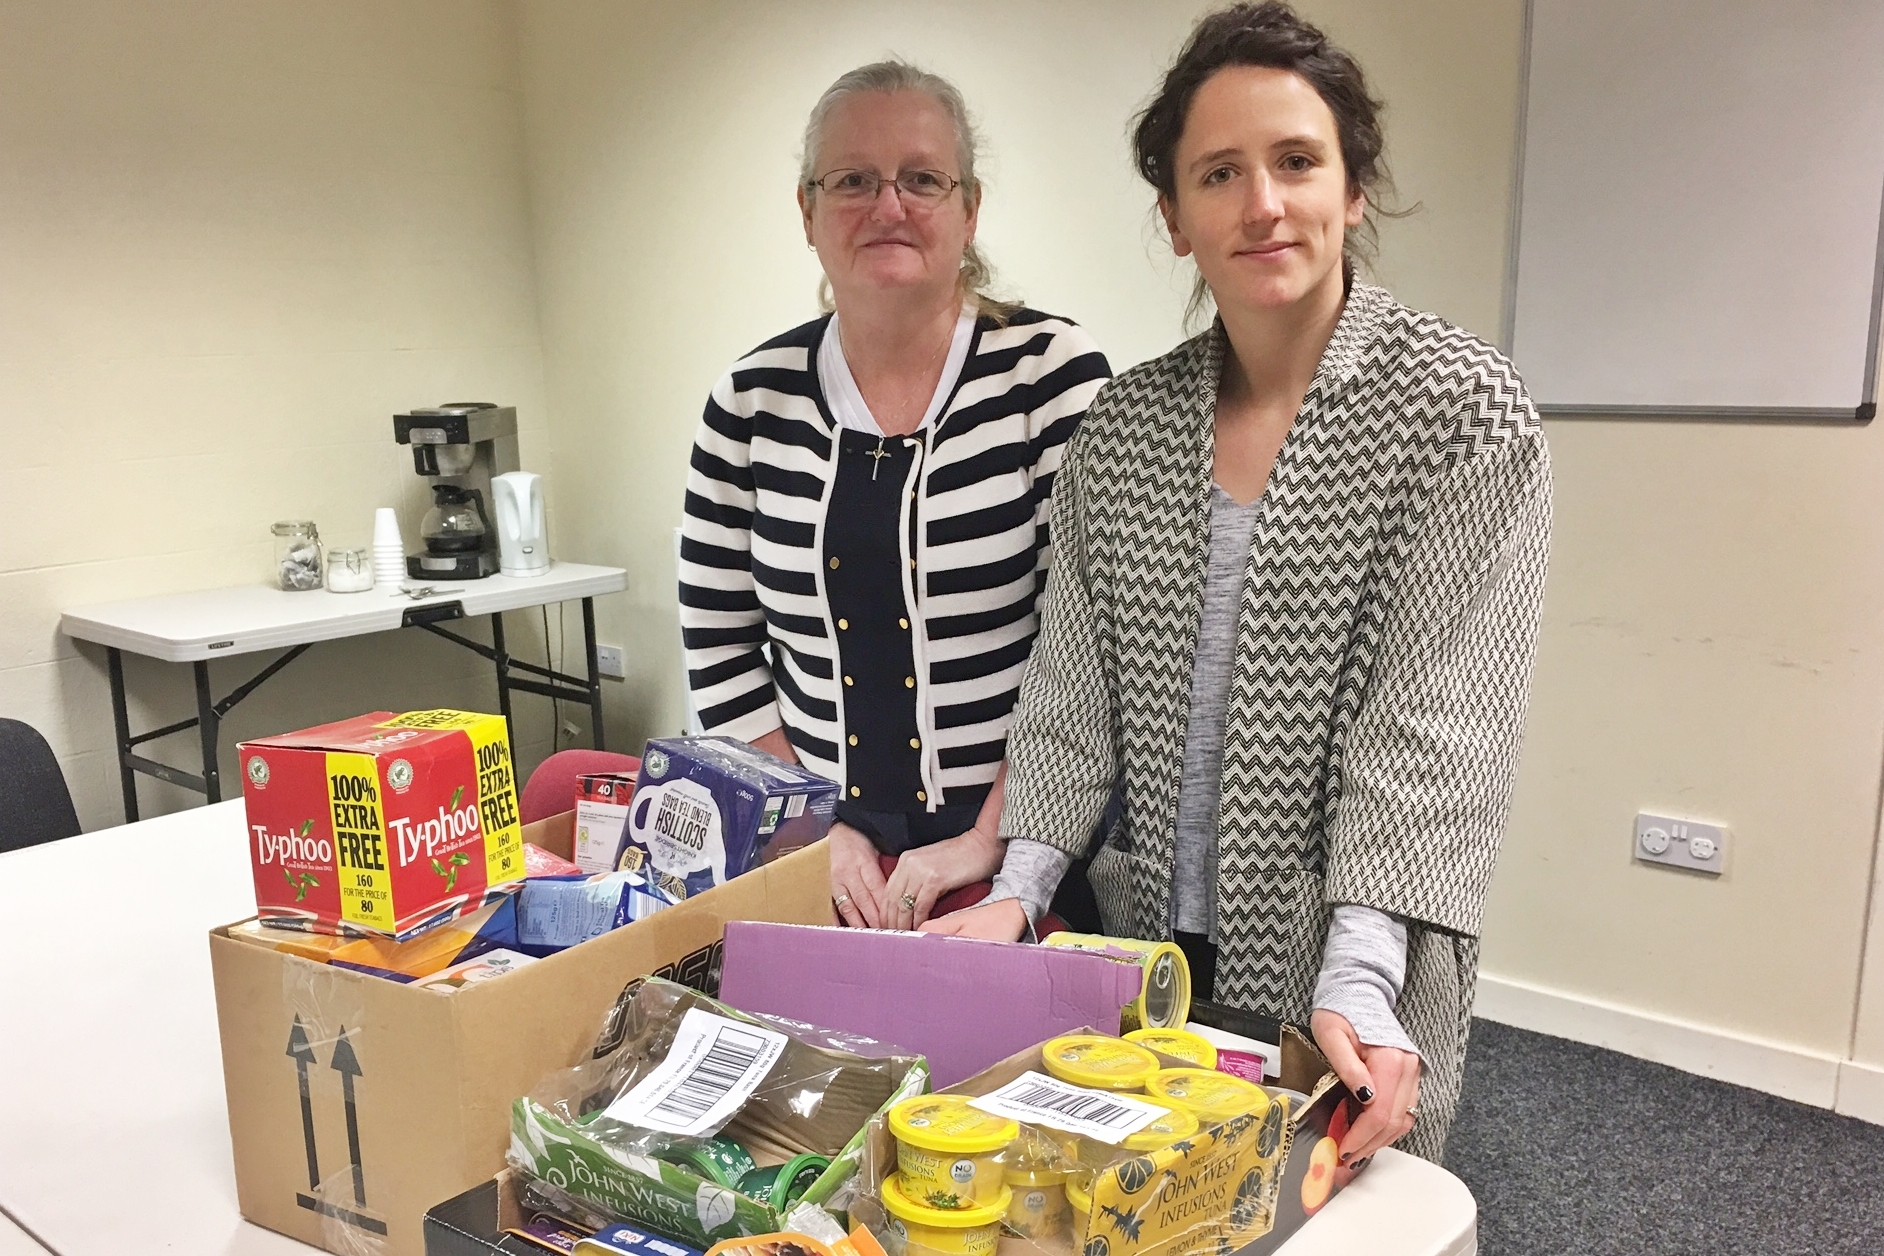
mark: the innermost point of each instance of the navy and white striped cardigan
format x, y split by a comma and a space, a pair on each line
755, 623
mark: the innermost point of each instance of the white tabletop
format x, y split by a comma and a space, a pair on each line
111, 1057
211, 623
17, 1242
1399, 1206
114, 1133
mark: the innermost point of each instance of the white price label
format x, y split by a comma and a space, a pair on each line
713, 1067
1036, 1099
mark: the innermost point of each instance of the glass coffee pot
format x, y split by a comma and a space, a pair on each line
455, 523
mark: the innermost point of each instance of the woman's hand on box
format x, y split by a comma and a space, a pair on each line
926, 873
1003, 920
1386, 1081
857, 889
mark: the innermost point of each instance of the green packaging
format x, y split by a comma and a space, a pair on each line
687, 1188
782, 1185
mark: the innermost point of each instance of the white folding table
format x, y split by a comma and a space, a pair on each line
114, 1131
17, 1242
214, 623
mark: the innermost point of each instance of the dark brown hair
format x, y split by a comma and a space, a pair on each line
1269, 34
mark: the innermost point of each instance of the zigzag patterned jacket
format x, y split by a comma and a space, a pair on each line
1383, 661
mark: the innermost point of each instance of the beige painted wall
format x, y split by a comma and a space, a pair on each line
236, 237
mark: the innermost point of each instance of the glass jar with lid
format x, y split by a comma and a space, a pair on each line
349, 570
297, 555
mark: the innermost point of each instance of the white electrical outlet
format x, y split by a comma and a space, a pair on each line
1681, 843
608, 661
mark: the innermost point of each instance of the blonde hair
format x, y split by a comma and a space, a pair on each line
977, 276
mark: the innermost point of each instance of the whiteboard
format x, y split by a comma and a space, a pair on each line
1700, 213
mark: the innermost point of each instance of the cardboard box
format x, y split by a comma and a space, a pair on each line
708, 808
473, 1222
1237, 1190
1330, 1111
382, 824
928, 993
356, 1103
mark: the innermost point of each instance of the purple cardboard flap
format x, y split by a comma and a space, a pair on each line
962, 1002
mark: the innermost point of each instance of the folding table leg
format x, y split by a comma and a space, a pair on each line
501, 657
595, 673
121, 723
208, 723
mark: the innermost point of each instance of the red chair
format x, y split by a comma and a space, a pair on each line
551, 789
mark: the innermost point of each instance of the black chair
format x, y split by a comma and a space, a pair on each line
35, 805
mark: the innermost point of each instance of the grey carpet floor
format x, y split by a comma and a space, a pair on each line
1576, 1151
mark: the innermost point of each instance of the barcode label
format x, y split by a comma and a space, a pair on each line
711, 1070
1036, 1099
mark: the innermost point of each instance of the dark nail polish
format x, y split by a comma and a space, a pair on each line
1358, 1165
1344, 1157
1365, 1094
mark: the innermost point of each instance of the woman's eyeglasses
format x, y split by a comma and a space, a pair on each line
858, 186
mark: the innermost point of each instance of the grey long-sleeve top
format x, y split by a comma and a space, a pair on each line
1364, 962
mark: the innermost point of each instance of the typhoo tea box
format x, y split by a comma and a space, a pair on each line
709, 808
383, 824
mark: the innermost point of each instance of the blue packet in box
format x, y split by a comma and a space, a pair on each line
555, 913
621, 1240
709, 808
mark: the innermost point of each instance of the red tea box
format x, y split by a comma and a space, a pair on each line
383, 824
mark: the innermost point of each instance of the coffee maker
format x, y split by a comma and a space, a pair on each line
458, 447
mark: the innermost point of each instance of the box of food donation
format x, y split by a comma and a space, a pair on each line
382, 824
707, 809
356, 1103
1242, 1185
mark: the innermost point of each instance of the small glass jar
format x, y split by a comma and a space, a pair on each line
297, 555
349, 570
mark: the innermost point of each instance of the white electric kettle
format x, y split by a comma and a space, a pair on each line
522, 538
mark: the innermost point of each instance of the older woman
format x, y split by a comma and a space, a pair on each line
1294, 602
865, 538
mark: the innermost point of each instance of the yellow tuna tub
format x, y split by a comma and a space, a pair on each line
1176, 1123
1038, 1209
1211, 1096
1164, 997
1079, 1201
1181, 1043
948, 1153
944, 1231
1099, 1062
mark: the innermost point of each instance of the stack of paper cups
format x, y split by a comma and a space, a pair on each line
389, 551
